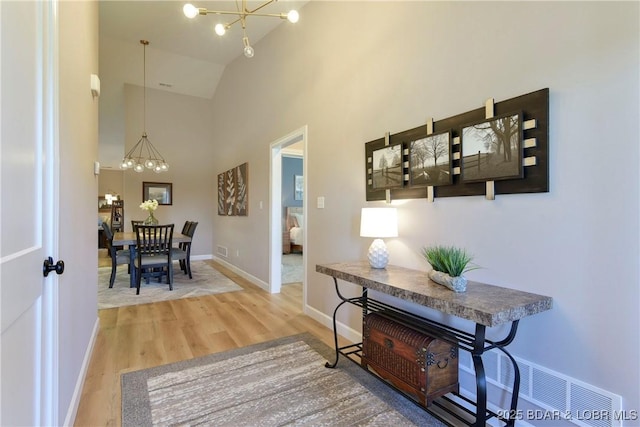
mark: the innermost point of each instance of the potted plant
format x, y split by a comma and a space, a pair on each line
449, 264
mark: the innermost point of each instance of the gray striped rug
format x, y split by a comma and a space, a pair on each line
281, 382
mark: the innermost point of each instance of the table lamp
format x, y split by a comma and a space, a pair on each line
378, 223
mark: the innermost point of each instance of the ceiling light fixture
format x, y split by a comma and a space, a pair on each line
191, 11
144, 154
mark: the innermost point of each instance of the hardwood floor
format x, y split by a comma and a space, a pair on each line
142, 336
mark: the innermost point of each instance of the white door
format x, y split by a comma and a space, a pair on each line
27, 129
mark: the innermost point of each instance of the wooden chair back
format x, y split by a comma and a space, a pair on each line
192, 229
108, 234
153, 253
154, 240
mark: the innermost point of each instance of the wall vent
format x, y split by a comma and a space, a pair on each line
580, 403
549, 389
222, 251
507, 375
583, 400
491, 365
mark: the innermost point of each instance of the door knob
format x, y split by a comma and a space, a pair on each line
48, 266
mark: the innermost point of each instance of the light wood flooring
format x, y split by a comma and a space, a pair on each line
142, 336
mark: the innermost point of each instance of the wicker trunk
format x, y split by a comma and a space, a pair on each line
412, 361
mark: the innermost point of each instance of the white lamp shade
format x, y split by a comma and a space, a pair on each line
379, 222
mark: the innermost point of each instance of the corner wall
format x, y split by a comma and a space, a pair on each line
352, 71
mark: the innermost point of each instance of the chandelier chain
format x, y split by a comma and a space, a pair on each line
144, 155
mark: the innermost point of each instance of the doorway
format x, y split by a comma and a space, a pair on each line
279, 149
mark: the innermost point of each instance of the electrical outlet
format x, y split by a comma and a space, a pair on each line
237, 252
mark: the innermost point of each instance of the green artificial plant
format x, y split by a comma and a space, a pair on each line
448, 259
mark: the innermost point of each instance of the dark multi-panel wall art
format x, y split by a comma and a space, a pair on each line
499, 149
233, 191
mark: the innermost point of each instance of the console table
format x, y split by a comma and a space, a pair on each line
485, 305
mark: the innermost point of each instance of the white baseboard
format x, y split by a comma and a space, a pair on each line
253, 279
326, 320
201, 257
72, 411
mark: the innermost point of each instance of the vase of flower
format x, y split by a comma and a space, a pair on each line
150, 206
150, 220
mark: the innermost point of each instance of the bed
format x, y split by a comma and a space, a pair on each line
293, 232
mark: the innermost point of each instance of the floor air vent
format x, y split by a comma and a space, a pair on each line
559, 395
222, 251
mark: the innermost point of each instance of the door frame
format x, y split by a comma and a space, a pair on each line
275, 211
50, 406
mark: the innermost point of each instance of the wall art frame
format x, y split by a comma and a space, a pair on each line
103, 205
534, 108
436, 148
233, 191
298, 187
160, 191
386, 166
492, 149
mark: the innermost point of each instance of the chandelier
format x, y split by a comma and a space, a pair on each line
144, 154
192, 11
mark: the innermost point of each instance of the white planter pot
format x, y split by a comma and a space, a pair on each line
456, 284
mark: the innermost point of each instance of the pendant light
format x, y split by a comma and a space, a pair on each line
144, 155
242, 12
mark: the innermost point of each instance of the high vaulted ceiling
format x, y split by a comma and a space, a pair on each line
184, 55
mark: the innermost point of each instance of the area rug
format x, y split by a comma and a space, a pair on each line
206, 281
280, 382
292, 270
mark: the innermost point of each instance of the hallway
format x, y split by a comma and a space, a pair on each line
142, 336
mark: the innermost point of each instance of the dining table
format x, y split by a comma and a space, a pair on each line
128, 238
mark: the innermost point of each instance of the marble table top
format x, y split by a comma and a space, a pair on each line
481, 303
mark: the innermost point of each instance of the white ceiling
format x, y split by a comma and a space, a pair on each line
183, 56
183, 53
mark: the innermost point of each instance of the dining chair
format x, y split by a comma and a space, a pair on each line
135, 223
118, 257
153, 253
179, 252
183, 252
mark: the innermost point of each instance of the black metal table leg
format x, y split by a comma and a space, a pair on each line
510, 422
335, 312
335, 338
481, 380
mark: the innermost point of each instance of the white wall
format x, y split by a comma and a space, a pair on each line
353, 71
78, 149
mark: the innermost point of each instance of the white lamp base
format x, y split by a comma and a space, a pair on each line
378, 255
